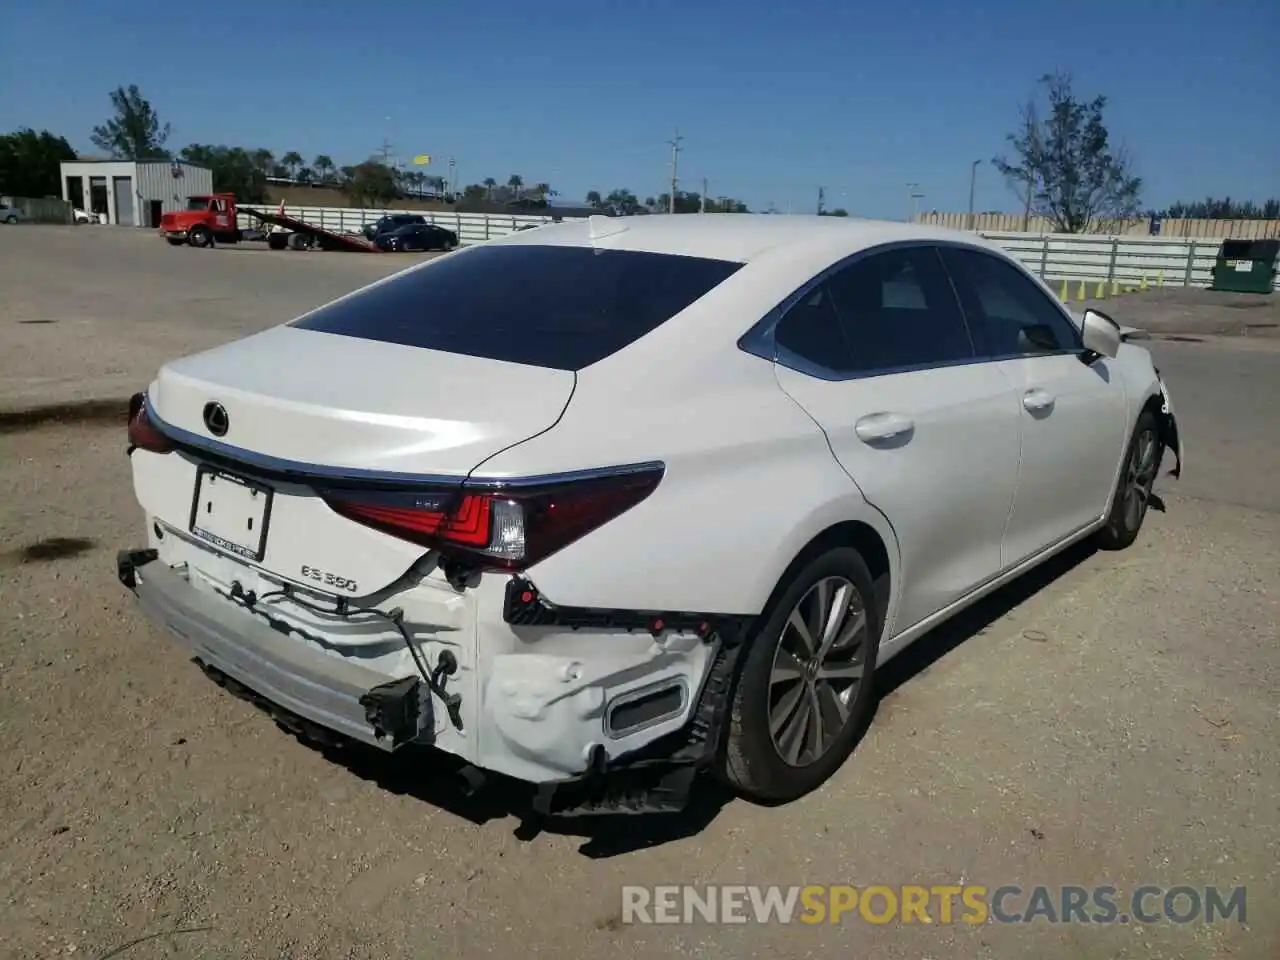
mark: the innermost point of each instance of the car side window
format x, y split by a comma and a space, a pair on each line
898, 311
1011, 316
810, 331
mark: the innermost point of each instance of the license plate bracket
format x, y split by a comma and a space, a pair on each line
231, 512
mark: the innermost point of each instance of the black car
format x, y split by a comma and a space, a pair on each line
392, 221
417, 236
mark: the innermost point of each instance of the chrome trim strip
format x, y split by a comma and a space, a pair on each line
300, 471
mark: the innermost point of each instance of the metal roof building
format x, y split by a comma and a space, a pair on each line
133, 193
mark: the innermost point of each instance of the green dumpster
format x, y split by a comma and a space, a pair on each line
1246, 266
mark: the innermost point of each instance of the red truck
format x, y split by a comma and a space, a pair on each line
214, 218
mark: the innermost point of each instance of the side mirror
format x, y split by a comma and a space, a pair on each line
1101, 334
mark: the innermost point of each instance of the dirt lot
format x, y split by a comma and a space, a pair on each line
1111, 721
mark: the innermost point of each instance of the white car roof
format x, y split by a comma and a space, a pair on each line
739, 237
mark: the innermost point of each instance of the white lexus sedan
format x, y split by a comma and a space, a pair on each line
609, 503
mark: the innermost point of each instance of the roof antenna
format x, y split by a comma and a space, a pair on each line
599, 227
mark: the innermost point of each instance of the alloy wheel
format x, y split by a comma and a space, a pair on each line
1140, 478
818, 667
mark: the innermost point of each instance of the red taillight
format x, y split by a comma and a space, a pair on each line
142, 432
508, 530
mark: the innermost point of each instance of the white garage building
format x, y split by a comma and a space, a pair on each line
133, 194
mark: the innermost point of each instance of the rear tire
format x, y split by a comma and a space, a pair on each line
803, 693
1133, 489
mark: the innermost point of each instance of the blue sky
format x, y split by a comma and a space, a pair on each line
773, 99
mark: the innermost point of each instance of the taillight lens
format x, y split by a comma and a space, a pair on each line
508, 530
142, 432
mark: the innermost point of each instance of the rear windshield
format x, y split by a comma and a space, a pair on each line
546, 306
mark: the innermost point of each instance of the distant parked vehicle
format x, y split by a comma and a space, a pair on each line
391, 222
215, 218
9, 214
417, 237
86, 216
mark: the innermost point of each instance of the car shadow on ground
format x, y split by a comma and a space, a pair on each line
433, 777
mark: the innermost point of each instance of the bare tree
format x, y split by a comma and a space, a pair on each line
1064, 165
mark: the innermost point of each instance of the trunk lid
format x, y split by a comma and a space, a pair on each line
341, 403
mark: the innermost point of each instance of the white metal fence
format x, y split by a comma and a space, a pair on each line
1127, 261
1074, 258
470, 227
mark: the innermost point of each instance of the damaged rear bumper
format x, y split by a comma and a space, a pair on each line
319, 695
343, 697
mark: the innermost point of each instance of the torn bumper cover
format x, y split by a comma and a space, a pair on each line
1169, 435
343, 697
318, 695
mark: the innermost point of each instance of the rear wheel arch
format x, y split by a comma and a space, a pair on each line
859, 535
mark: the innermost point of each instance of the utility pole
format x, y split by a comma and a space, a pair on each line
702, 201
675, 160
973, 182
913, 194
821, 197
386, 145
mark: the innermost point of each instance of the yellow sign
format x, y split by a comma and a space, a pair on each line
421, 160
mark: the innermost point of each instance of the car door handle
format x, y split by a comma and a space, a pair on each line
882, 426
1036, 400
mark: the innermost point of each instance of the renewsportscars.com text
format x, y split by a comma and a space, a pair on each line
928, 904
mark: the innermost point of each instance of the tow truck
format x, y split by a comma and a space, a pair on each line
215, 218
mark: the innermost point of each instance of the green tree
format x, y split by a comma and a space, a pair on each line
264, 161
372, 184
292, 162
234, 170
1064, 160
688, 201
1224, 209
135, 132
29, 163
515, 182
324, 167
620, 203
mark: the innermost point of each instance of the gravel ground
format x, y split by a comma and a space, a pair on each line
92, 312
1193, 312
1110, 720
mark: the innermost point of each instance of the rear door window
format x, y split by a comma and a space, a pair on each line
549, 306
899, 312
1012, 317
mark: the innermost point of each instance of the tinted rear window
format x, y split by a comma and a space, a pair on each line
546, 306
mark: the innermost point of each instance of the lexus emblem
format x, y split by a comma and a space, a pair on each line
216, 419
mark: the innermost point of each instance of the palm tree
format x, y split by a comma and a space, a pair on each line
489, 184
515, 182
264, 160
292, 161
324, 167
